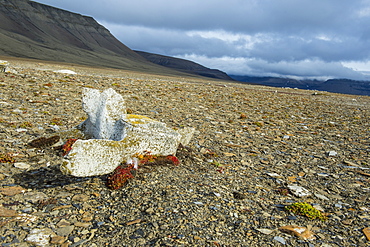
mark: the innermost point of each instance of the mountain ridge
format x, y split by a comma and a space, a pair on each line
184, 65
345, 86
34, 30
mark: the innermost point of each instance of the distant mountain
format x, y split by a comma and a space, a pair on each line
184, 66
33, 30
344, 86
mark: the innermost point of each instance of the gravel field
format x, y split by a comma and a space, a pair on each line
254, 148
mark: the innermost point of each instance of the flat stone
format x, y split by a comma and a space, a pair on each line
366, 231
7, 212
298, 231
26, 218
40, 237
265, 231
63, 223
321, 196
64, 231
35, 196
299, 191
57, 240
22, 165
65, 71
82, 224
280, 239
11, 191
80, 198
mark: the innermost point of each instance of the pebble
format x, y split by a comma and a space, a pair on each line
64, 231
321, 196
299, 191
35, 197
40, 237
265, 231
298, 231
280, 239
21, 165
12, 190
366, 231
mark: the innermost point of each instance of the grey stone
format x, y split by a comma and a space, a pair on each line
40, 237
299, 191
64, 231
3, 65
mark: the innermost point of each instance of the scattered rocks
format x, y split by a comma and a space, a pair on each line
282, 139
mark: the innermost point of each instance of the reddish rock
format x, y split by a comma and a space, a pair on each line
298, 231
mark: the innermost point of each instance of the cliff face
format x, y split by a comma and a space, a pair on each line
33, 30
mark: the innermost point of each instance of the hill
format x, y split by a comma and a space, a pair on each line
344, 86
32, 30
184, 65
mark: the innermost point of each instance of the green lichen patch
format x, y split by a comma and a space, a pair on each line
305, 209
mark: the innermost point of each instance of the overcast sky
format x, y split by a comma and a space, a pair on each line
289, 38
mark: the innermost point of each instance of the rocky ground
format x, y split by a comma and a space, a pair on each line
254, 147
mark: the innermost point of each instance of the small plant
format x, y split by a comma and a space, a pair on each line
220, 168
305, 209
259, 124
124, 172
56, 121
68, 146
25, 125
119, 177
6, 158
283, 191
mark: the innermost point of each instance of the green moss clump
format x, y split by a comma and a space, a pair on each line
25, 125
305, 209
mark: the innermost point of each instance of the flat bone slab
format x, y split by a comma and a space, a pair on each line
99, 156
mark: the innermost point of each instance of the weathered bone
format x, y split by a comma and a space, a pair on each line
117, 136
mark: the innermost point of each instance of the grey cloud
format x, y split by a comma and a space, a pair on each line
281, 35
234, 15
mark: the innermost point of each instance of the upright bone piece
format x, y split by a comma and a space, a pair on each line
105, 111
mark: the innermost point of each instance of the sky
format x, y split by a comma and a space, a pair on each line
312, 39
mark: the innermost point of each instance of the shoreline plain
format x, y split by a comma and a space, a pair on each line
251, 142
